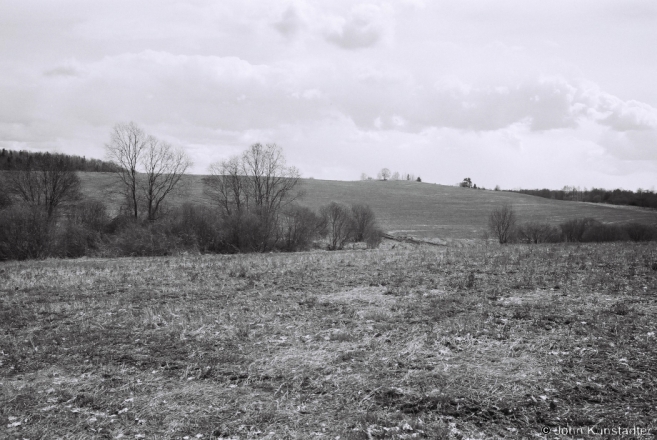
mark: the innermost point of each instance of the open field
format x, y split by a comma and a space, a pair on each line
411, 208
421, 342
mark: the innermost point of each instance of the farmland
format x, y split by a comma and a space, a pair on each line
418, 342
411, 208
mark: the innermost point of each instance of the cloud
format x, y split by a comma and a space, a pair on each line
290, 23
364, 27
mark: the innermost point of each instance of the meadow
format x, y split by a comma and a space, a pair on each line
412, 342
419, 209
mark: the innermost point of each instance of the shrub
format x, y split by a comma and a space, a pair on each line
338, 224
603, 233
5, 200
573, 230
639, 232
75, 240
373, 238
299, 227
363, 221
91, 214
502, 223
196, 226
147, 239
24, 233
535, 232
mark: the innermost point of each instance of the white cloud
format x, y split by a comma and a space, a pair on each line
290, 23
551, 93
363, 27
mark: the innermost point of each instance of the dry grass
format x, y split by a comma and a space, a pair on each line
408, 343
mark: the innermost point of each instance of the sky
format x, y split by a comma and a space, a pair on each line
515, 93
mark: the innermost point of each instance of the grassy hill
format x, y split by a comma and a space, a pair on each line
412, 208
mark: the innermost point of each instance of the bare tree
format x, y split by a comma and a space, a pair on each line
395, 176
258, 183
48, 182
363, 176
126, 148
338, 223
384, 174
149, 169
163, 165
502, 222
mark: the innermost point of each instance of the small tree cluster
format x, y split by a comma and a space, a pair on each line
386, 174
536, 232
252, 192
148, 169
503, 224
342, 224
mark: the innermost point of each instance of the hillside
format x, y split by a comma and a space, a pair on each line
420, 209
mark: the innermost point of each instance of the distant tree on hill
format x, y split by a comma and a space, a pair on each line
384, 174
467, 183
363, 176
419, 179
395, 176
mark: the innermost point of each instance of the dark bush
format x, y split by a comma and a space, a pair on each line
243, 232
5, 200
599, 233
573, 230
338, 224
373, 238
75, 240
25, 233
299, 227
120, 223
145, 239
197, 227
535, 232
91, 214
364, 222
640, 232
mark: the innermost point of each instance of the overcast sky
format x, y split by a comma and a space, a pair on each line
517, 93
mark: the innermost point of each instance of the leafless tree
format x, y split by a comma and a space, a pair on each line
126, 148
338, 223
395, 176
384, 174
363, 176
256, 183
149, 169
502, 222
163, 166
48, 182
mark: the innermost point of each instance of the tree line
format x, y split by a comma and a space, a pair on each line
385, 174
640, 197
504, 225
20, 160
254, 206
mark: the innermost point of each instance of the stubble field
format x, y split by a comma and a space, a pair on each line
482, 342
